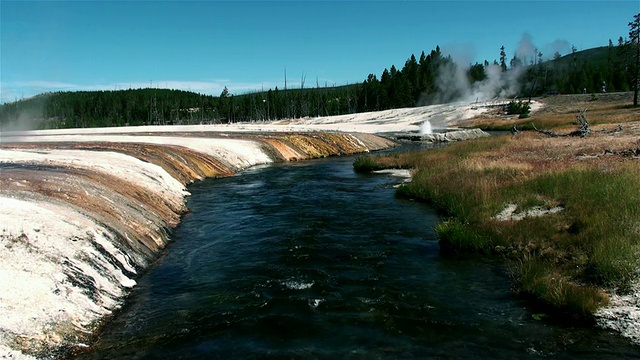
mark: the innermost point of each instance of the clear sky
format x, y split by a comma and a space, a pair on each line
204, 46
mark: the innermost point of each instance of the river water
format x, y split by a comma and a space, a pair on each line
310, 260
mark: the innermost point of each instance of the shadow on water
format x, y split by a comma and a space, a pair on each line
310, 260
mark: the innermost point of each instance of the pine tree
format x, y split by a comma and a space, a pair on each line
634, 41
503, 59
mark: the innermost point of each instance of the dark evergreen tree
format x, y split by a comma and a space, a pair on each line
634, 42
503, 59
476, 73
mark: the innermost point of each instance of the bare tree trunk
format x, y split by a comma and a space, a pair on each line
582, 131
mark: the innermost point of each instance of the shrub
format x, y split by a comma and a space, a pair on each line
519, 108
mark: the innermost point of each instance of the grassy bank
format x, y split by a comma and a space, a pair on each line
559, 112
494, 193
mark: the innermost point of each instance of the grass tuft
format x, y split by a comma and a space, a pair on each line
456, 237
366, 164
542, 280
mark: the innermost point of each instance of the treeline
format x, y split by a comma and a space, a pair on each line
417, 83
395, 88
171, 107
423, 80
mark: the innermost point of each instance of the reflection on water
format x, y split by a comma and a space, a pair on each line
310, 260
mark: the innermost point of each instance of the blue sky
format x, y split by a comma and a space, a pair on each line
206, 45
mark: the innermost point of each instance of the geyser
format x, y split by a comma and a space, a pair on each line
425, 128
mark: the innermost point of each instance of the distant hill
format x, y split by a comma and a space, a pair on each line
574, 73
417, 82
596, 56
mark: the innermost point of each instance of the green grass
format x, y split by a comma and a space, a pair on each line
540, 279
364, 164
456, 237
564, 260
369, 163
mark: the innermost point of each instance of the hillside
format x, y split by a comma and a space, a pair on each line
574, 73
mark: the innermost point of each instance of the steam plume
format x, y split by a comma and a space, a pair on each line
453, 83
526, 49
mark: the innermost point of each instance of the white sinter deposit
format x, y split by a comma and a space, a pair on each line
42, 257
238, 153
149, 176
441, 117
60, 269
623, 314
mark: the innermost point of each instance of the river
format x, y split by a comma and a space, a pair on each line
311, 260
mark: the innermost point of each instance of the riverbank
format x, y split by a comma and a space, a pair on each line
83, 216
561, 209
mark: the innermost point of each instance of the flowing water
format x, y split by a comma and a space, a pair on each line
310, 260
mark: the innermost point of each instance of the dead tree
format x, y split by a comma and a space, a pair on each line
582, 131
583, 125
546, 132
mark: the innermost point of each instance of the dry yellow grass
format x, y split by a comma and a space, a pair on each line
560, 111
484, 164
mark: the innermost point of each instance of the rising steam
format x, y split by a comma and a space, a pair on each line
454, 85
22, 120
